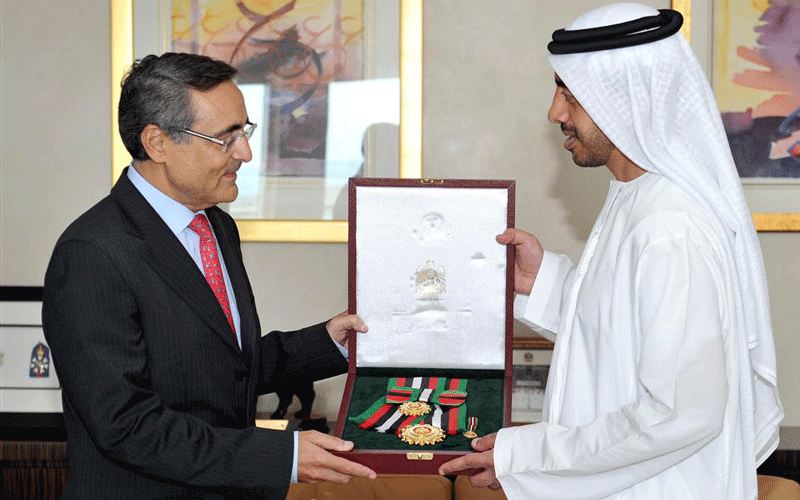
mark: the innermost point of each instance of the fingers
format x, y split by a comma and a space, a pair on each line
482, 460
325, 441
484, 443
356, 323
339, 325
452, 467
334, 469
485, 479
528, 254
513, 236
315, 474
343, 322
316, 463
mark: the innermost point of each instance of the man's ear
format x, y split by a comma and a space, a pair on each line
155, 140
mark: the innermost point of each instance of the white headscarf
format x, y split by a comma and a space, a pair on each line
654, 103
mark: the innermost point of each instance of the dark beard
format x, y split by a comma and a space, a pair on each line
596, 148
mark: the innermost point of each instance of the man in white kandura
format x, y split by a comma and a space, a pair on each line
662, 383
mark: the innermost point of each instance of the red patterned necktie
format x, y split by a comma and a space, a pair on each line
211, 265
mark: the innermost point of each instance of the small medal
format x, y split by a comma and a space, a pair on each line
414, 408
472, 424
421, 434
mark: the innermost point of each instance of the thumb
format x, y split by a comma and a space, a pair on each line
506, 236
353, 322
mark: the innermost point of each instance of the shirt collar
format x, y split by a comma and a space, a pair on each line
175, 215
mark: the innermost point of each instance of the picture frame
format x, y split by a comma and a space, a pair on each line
135, 27
531, 363
30, 394
773, 201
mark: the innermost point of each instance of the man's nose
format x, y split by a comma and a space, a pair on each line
241, 149
556, 114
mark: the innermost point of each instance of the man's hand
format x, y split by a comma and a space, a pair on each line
484, 459
339, 325
315, 463
528, 257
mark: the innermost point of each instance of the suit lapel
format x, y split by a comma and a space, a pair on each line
228, 242
165, 254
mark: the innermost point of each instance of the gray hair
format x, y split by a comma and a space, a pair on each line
156, 91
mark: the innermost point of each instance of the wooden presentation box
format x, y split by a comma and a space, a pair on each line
436, 290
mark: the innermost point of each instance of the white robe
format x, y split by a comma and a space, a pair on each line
642, 400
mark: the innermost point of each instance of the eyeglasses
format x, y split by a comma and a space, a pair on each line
246, 132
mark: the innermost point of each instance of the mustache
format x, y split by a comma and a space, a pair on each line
569, 130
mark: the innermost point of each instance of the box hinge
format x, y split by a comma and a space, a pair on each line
415, 455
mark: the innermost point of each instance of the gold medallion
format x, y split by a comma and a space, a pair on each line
414, 408
422, 434
472, 424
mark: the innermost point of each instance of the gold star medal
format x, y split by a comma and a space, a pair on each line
414, 408
422, 434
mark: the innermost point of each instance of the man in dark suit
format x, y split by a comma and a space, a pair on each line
160, 372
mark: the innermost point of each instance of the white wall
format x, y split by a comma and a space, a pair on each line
487, 88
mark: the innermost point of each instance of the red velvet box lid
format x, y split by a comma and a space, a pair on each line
411, 230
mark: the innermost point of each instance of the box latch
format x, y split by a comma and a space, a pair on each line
415, 455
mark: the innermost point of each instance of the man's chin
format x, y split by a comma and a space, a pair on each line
586, 163
229, 195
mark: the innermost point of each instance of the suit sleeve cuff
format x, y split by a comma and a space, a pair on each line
294, 460
342, 349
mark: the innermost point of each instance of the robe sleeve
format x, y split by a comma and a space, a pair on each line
679, 299
541, 310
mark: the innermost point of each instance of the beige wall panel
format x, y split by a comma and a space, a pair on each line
54, 126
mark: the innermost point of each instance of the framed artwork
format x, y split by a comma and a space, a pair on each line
750, 50
334, 85
30, 394
531, 363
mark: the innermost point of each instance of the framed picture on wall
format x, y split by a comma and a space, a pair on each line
751, 48
531, 359
322, 79
30, 393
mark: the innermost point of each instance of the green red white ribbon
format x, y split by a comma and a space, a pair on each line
447, 396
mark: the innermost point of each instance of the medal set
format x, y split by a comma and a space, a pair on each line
421, 410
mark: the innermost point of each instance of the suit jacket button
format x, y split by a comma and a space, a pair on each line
240, 375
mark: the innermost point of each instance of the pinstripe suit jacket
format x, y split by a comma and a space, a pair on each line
159, 401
